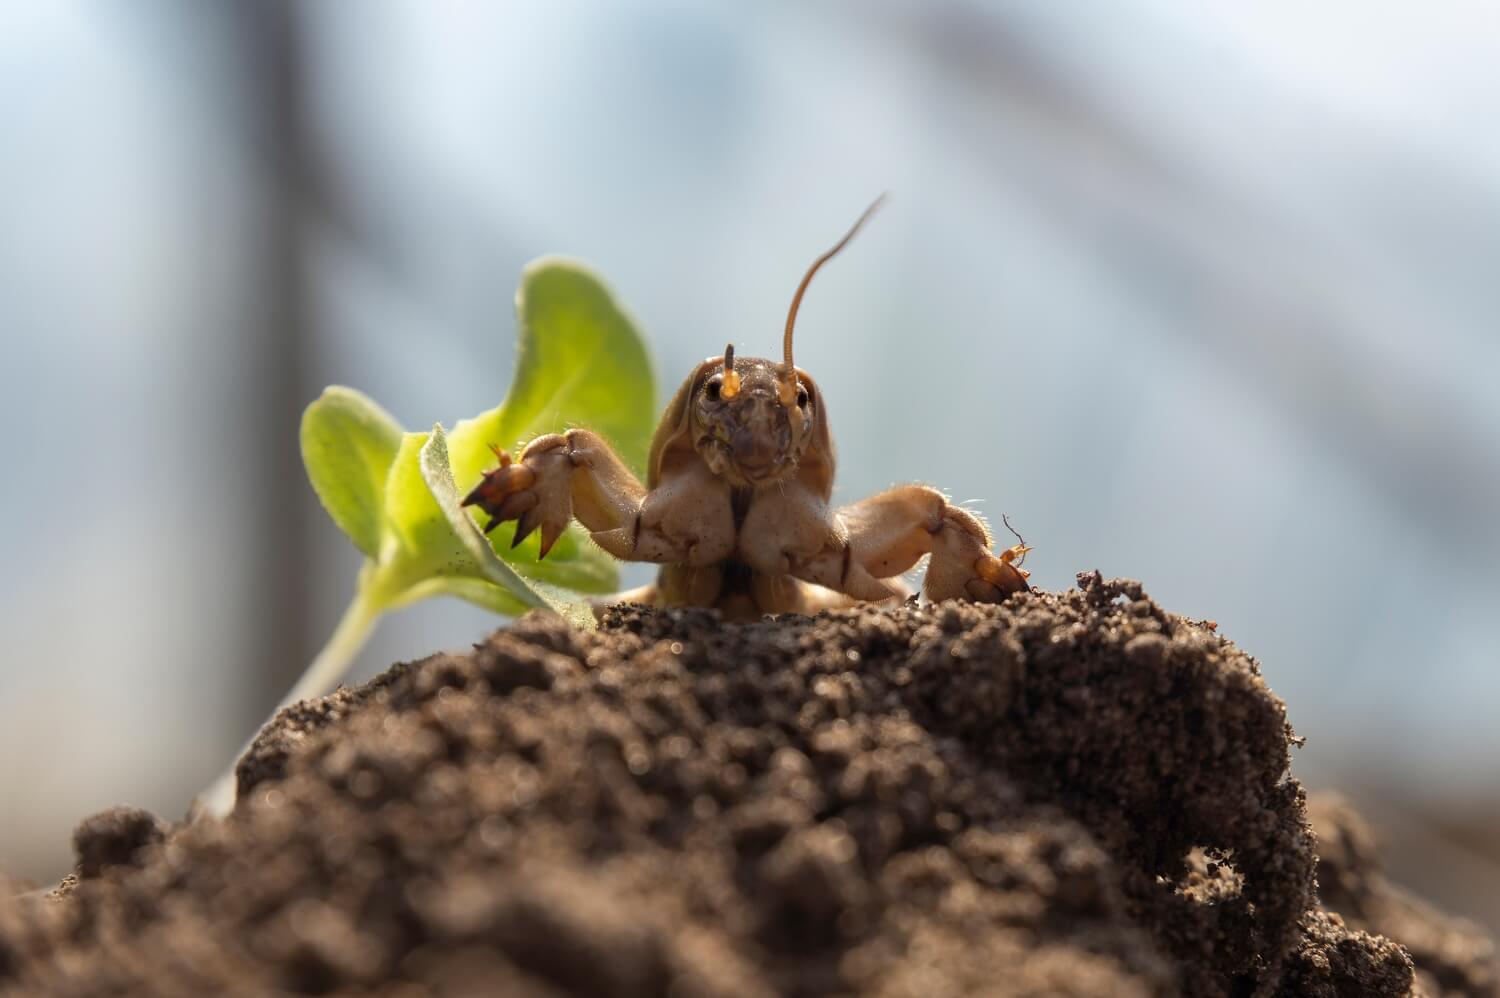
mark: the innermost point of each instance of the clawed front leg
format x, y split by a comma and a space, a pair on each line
887, 534
558, 476
686, 519
964, 565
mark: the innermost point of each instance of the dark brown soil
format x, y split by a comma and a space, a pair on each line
1068, 794
1453, 957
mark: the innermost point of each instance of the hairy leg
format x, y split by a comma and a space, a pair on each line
686, 519
888, 533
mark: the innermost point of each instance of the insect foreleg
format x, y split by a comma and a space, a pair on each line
558, 477
888, 533
686, 519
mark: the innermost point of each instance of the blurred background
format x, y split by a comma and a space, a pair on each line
1205, 297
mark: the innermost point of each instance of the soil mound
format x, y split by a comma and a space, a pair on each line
1067, 794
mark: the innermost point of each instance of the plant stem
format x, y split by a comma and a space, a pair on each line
321, 676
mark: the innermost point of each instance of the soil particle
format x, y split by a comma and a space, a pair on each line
115, 837
1066, 794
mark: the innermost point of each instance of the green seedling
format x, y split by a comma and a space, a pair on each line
581, 361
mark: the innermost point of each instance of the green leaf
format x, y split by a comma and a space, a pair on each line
581, 362
419, 541
438, 477
348, 445
422, 555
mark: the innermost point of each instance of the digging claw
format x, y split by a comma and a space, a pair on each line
515, 505
528, 522
504, 493
532, 491
512, 507
501, 481
550, 533
1001, 574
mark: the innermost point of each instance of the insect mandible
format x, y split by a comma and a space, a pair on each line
736, 508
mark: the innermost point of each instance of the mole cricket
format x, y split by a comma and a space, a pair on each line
736, 502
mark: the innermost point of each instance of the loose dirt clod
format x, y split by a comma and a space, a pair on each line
1073, 794
116, 837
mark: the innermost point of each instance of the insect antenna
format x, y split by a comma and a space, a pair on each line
730, 387
1017, 554
1005, 518
788, 372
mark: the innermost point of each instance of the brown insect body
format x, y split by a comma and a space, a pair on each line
736, 505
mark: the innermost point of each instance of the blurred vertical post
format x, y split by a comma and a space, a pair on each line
274, 37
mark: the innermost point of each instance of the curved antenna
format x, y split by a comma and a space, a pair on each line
788, 376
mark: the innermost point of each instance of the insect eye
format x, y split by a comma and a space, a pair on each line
713, 388
802, 397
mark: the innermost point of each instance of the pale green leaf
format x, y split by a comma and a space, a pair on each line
348, 445
439, 477
581, 362
419, 540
